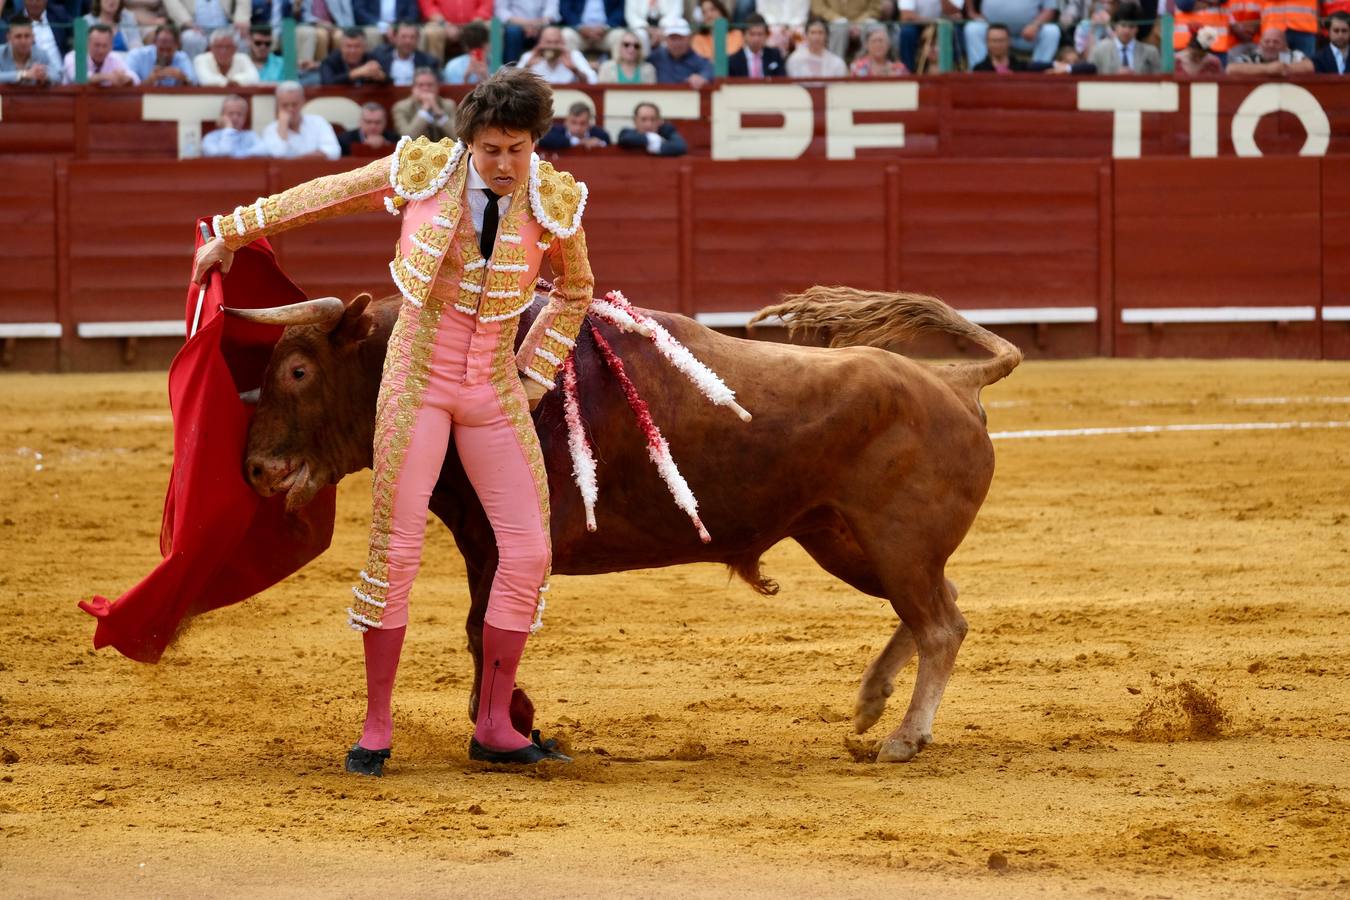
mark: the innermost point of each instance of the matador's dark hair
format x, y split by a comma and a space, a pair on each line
513, 99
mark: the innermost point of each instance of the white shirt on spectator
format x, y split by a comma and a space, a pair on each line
315, 134
557, 73
401, 70
1340, 56
232, 142
924, 9
805, 64
44, 38
788, 13
242, 71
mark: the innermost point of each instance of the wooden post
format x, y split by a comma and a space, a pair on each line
64, 313
1106, 260
891, 241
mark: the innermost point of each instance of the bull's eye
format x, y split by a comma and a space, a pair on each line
298, 373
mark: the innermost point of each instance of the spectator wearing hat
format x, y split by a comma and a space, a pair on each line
577, 131
1196, 58
162, 64
652, 134
629, 65
846, 19
470, 67
232, 138
676, 62
756, 59
812, 59
22, 61
552, 61
1030, 24
372, 137
1334, 58
1124, 55
400, 57
425, 112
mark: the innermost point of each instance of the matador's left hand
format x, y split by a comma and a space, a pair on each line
534, 392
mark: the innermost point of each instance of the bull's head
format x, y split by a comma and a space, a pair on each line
315, 415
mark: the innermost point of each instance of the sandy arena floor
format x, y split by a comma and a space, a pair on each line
1108, 578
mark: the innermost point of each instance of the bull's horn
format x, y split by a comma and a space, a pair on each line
324, 311
251, 397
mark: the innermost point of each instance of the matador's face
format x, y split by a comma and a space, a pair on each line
502, 157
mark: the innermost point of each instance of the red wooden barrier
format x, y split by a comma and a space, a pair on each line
1069, 257
959, 115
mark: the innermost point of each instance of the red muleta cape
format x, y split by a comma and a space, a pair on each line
221, 542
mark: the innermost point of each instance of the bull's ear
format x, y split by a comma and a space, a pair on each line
356, 322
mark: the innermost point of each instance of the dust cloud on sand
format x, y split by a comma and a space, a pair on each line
1151, 701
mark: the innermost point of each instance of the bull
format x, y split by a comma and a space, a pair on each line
874, 463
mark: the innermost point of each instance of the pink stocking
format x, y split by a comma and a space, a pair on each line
501, 655
383, 646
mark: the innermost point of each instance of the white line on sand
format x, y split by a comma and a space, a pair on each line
1159, 429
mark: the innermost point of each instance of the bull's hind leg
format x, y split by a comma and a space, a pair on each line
878, 682
938, 628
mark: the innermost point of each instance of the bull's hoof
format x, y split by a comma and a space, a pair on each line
871, 704
901, 749
361, 761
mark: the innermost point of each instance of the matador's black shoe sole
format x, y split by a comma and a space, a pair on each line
535, 752
361, 761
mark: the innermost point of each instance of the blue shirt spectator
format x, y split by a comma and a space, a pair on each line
676, 63
232, 137
162, 64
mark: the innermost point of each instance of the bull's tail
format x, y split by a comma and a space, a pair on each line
879, 319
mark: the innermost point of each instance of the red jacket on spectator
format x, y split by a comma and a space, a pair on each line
456, 12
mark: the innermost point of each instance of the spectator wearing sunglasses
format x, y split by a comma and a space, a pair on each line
629, 65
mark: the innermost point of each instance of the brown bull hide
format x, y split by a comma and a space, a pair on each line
874, 463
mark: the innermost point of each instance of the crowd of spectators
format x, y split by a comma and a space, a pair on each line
422, 44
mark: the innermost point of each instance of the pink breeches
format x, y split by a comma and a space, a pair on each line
460, 403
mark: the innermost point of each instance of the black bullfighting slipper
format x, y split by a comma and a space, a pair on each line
531, 753
361, 761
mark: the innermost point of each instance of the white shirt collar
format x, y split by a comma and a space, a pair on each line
476, 181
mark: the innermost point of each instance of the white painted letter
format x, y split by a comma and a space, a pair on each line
731, 140
1204, 120
1128, 102
1290, 98
843, 136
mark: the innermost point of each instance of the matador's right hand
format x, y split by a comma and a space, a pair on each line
211, 254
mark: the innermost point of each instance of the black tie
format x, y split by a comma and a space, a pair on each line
488, 236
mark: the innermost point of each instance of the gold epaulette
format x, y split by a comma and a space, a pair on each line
556, 199
421, 167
